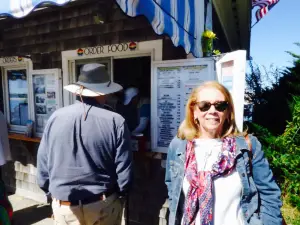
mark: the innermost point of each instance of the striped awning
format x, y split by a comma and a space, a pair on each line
181, 20
21, 8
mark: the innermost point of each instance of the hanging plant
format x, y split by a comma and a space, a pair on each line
207, 43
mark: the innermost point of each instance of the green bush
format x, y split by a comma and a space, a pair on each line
283, 153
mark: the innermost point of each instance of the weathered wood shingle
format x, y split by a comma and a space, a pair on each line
44, 34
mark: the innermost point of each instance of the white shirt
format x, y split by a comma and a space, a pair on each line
227, 189
4, 143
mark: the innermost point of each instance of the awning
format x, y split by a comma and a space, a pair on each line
182, 21
21, 8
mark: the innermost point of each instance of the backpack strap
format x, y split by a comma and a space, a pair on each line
250, 153
248, 142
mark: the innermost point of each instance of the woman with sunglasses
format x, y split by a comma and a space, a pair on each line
214, 175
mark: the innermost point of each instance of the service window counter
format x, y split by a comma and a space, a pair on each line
139, 143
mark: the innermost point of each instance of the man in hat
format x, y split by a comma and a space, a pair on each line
85, 159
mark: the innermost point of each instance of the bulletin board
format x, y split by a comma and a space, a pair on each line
47, 96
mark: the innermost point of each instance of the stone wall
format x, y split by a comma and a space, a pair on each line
147, 199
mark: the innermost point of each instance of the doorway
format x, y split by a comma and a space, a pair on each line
134, 72
128, 72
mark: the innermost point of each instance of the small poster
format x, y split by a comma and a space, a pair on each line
46, 101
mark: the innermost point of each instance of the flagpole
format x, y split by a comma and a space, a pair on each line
254, 24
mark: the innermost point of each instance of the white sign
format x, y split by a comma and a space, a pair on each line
173, 84
231, 72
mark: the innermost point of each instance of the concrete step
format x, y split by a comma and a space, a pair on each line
29, 212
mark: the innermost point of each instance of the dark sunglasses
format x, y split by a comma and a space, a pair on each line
219, 106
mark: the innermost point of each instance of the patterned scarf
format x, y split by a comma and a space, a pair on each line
200, 197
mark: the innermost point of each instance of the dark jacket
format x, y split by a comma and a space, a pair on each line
78, 158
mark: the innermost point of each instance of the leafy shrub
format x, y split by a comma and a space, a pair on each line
283, 153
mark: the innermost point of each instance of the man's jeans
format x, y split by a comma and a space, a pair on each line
105, 212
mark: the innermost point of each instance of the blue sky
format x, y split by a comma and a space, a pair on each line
276, 33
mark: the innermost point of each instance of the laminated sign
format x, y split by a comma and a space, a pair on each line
173, 84
47, 91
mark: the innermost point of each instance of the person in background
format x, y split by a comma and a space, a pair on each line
136, 111
215, 174
6, 210
113, 100
84, 159
5, 154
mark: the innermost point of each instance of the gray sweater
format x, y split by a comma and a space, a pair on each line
78, 158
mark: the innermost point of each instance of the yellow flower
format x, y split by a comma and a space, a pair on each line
209, 34
216, 52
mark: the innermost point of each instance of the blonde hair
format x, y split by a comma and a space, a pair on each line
189, 130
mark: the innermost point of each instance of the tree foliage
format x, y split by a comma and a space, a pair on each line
271, 92
283, 153
276, 122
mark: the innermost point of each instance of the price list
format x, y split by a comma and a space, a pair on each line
174, 85
169, 102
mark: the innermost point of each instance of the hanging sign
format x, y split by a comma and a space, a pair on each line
12, 59
105, 49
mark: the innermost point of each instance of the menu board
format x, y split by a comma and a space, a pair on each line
47, 97
174, 84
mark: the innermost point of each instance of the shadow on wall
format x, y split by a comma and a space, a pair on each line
21, 171
149, 192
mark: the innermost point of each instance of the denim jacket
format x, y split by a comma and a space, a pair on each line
260, 200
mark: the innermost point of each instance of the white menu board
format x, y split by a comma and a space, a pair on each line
173, 82
47, 96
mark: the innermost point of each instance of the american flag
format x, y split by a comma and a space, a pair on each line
264, 7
